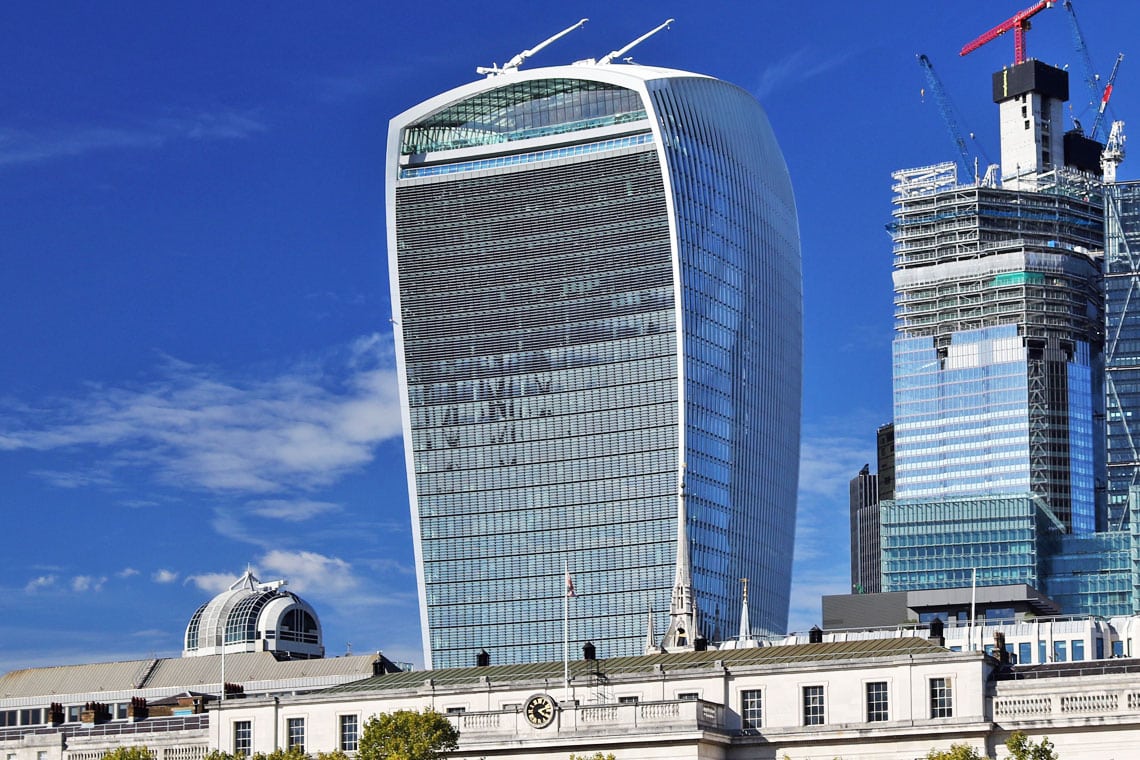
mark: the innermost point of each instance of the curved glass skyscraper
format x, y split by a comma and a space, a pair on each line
596, 294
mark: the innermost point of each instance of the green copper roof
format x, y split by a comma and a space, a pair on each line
670, 663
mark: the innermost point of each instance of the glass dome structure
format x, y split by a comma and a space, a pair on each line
252, 616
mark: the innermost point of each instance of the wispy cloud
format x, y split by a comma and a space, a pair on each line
164, 576
195, 428
292, 510
831, 453
40, 583
127, 572
800, 66
84, 583
22, 145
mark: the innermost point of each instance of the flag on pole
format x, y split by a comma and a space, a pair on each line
569, 584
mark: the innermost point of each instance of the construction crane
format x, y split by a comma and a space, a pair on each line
613, 54
1092, 79
1019, 24
1113, 152
514, 63
946, 108
1105, 98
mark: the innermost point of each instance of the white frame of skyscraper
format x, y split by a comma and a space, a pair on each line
596, 286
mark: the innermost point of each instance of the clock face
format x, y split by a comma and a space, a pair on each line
539, 710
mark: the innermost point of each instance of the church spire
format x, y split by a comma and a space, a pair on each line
650, 640
745, 629
682, 632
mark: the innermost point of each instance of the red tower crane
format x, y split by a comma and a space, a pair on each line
1019, 24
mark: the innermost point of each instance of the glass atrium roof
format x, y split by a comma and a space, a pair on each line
522, 110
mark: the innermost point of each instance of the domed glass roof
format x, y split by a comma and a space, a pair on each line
254, 616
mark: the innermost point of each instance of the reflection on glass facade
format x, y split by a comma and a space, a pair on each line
1090, 574
939, 544
596, 284
1122, 346
997, 374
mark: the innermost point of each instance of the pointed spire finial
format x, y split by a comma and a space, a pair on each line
682, 632
745, 627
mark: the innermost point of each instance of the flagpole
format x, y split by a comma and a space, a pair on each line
566, 633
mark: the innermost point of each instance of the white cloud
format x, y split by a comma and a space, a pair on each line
23, 145
194, 428
164, 576
292, 510
83, 583
127, 572
309, 571
214, 583
40, 583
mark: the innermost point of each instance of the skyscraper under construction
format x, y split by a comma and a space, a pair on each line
998, 354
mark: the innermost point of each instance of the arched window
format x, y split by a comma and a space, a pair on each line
298, 625
192, 629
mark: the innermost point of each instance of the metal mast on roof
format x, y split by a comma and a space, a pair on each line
619, 53
517, 61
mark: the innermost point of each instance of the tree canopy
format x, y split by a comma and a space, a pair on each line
1022, 748
407, 735
956, 752
129, 753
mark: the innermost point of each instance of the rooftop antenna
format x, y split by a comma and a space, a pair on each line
514, 63
619, 53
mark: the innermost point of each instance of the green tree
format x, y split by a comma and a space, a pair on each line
293, 753
956, 752
129, 753
1022, 748
217, 754
336, 754
407, 735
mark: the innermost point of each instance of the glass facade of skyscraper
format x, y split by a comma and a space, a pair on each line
1122, 346
596, 283
940, 544
996, 377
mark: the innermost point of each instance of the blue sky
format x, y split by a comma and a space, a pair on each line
194, 296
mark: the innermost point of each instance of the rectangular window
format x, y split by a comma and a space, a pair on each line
295, 734
1041, 658
941, 698
349, 732
751, 709
73, 713
1118, 648
689, 696
814, 712
456, 710
877, 709
243, 738
1060, 651
627, 700
1078, 650
1024, 653
1099, 648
